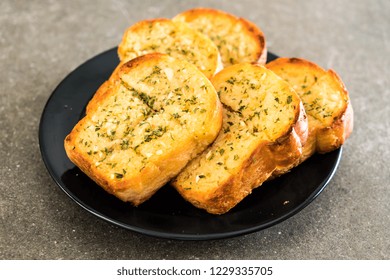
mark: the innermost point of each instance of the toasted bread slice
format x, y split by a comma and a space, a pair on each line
158, 115
264, 127
237, 39
173, 38
325, 99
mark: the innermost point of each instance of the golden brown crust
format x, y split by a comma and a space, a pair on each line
297, 71
259, 37
325, 99
238, 39
132, 141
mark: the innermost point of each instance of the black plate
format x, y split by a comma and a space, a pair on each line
166, 214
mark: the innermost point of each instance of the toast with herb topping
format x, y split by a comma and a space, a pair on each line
264, 128
173, 38
325, 99
238, 40
157, 115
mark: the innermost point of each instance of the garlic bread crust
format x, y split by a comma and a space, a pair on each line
264, 128
238, 40
158, 115
325, 99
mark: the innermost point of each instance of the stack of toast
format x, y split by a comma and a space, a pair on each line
193, 104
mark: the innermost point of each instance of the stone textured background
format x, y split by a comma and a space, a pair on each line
42, 41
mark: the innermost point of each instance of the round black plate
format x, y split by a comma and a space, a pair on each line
166, 214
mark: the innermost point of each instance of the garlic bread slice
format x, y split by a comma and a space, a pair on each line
325, 99
147, 127
264, 127
173, 38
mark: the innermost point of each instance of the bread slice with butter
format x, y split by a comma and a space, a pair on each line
325, 99
237, 39
158, 114
264, 128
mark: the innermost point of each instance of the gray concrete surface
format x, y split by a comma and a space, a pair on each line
42, 41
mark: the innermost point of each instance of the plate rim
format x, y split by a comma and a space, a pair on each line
163, 234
